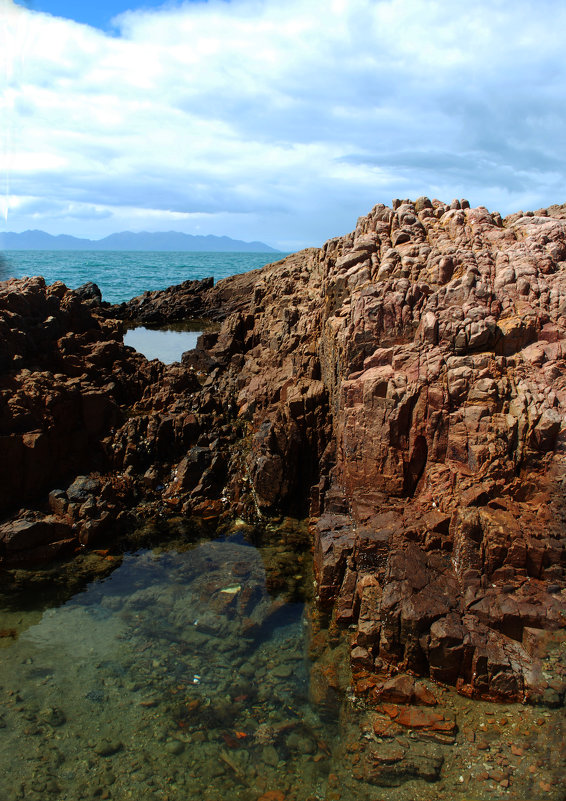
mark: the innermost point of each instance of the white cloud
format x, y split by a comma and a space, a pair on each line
281, 121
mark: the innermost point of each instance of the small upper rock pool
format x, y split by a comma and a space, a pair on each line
167, 345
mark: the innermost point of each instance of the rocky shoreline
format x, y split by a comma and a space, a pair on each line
403, 387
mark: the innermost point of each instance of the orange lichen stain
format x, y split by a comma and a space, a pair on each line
392, 710
365, 684
272, 795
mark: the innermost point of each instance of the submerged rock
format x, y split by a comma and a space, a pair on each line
174, 747
107, 748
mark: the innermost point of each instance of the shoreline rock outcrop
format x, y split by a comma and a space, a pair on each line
403, 384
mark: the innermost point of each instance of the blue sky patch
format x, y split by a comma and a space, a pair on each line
98, 14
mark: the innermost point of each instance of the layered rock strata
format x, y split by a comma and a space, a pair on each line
406, 380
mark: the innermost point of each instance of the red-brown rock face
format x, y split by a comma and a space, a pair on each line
443, 353
407, 380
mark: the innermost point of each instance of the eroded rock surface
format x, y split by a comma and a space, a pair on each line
406, 380
447, 423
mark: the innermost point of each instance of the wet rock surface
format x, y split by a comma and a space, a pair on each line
405, 384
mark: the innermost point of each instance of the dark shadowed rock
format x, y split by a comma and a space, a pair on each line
89, 293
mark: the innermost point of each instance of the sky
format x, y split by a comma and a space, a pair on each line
274, 120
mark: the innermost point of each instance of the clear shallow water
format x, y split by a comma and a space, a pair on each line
177, 677
199, 672
166, 345
122, 275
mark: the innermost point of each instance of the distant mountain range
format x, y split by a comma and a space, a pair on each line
127, 240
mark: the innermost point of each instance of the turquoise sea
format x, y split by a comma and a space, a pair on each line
122, 275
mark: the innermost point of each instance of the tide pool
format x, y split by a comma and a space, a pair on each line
164, 344
178, 676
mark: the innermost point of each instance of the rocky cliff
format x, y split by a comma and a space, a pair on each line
404, 385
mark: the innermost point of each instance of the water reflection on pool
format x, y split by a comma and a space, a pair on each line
166, 345
177, 677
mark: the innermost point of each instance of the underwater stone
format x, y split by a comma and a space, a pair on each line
108, 748
270, 756
174, 747
52, 716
